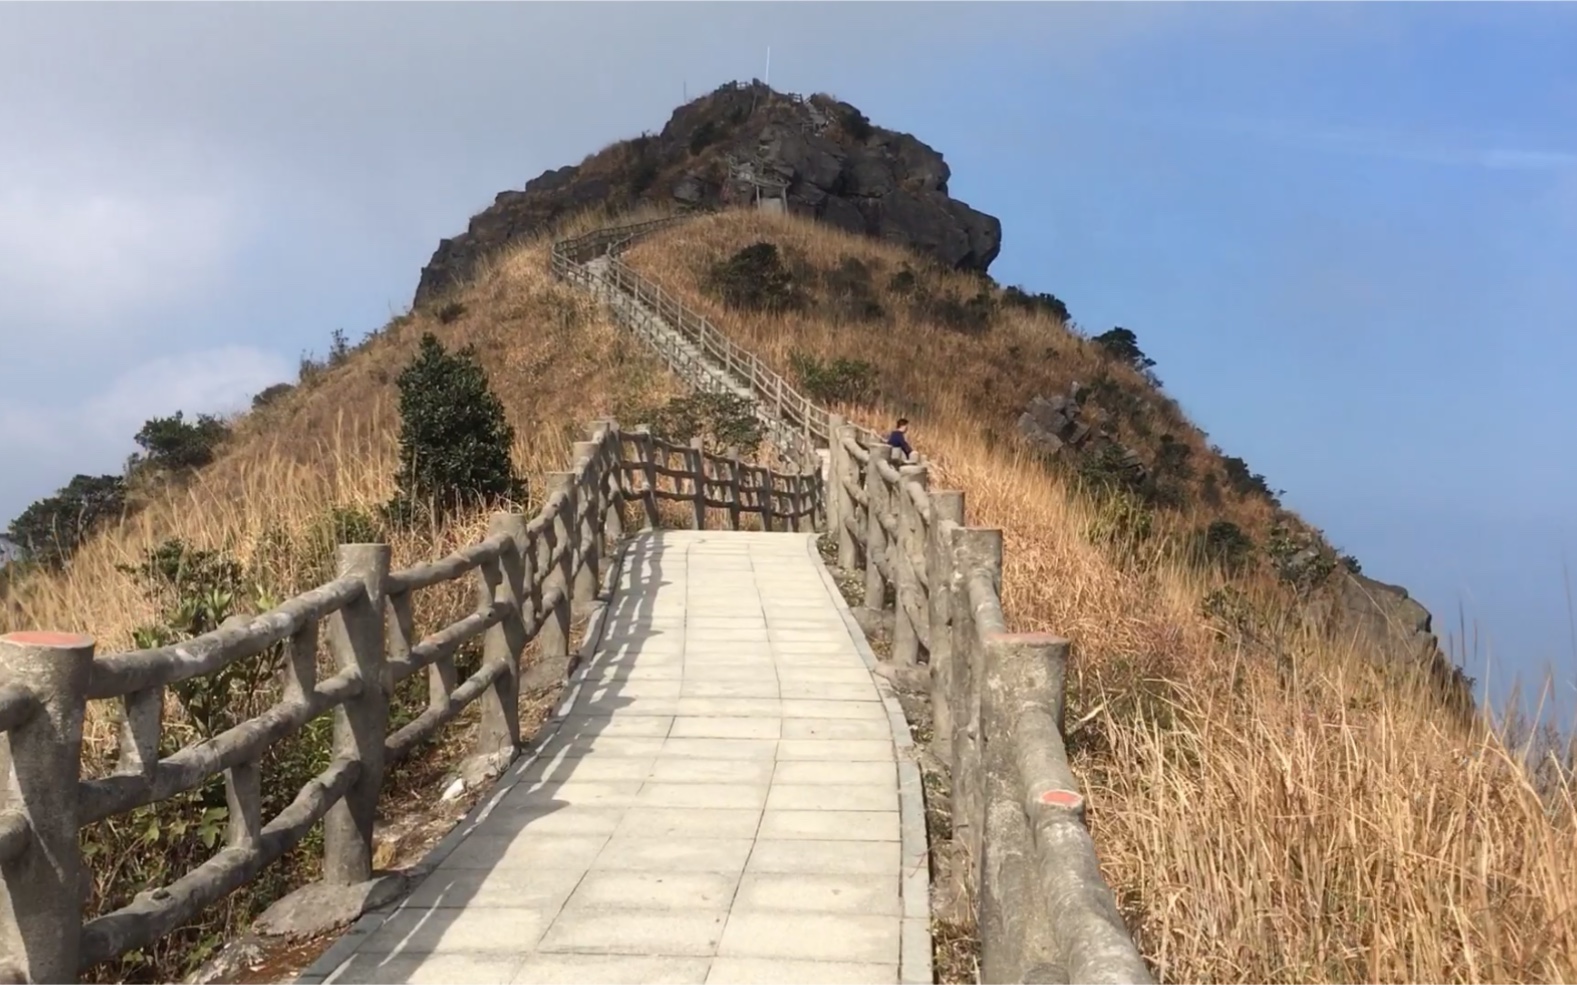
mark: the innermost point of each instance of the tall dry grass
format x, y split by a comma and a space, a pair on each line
1268, 805
556, 361
553, 356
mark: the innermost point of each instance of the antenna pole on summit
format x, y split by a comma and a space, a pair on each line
767, 78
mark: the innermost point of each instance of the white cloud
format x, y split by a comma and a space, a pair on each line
41, 446
97, 234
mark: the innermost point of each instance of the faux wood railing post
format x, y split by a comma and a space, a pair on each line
875, 533
796, 499
947, 507
909, 551
695, 464
1054, 919
588, 533
845, 472
615, 486
646, 453
553, 640
734, 490
356, 639
40, 765
766, 495
976, 551
1011, 918
504, 583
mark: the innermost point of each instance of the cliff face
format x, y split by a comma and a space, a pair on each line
820, 156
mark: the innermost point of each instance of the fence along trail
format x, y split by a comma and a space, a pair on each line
1044, 912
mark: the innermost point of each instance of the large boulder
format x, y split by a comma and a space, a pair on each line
724, 148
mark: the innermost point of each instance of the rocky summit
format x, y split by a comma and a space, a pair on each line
746, 142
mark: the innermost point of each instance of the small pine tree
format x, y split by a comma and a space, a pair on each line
454, 441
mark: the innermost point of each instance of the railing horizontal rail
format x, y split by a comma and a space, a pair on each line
530, 576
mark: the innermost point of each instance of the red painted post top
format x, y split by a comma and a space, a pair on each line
60, 641
1066, 799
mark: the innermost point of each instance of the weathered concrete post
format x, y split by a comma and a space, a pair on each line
796, 499
875, 533
695, 464
734, 490
503, 582
908, 552
977, 551
645, 452
845, 473
1014, 932
553, 640
614, 489
766, 495
947, 512
588, 534
41, 876
1074, 931
356, 640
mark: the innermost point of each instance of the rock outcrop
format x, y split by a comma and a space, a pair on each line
1056, 422
816, 156
1395, 624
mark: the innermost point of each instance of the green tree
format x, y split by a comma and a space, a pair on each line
454, 440
176, 444
1121, 343
50, 530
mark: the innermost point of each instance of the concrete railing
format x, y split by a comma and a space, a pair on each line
795, 422
531, 577
1043, 909
1044, 912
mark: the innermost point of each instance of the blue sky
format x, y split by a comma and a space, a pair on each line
1343, 231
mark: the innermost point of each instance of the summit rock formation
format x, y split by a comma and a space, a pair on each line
816, 156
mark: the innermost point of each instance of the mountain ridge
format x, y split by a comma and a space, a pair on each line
821, 157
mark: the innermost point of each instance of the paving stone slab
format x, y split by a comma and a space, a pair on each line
720, 803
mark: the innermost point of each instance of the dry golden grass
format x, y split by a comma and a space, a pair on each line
1288, 811
557, 362
553, 356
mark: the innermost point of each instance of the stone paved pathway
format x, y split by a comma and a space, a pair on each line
721, 802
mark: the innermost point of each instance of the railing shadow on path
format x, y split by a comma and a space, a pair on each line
498, 858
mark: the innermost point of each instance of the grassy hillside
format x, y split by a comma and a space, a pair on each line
1270, 803
311, 467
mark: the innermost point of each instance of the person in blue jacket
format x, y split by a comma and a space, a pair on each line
899, 438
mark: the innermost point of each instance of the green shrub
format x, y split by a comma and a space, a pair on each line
1017, 297
1352, 564
1121, 344
1122, 523
842, 380
1300, 558
850, 293
1225, 543
269, 395
704, 136
903, 280
722, 420
51, 529
1105, 469
454, 440
756, 279
194, 591
968, 317
1245, 482
175, 444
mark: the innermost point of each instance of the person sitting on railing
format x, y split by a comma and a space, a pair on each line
899, 438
